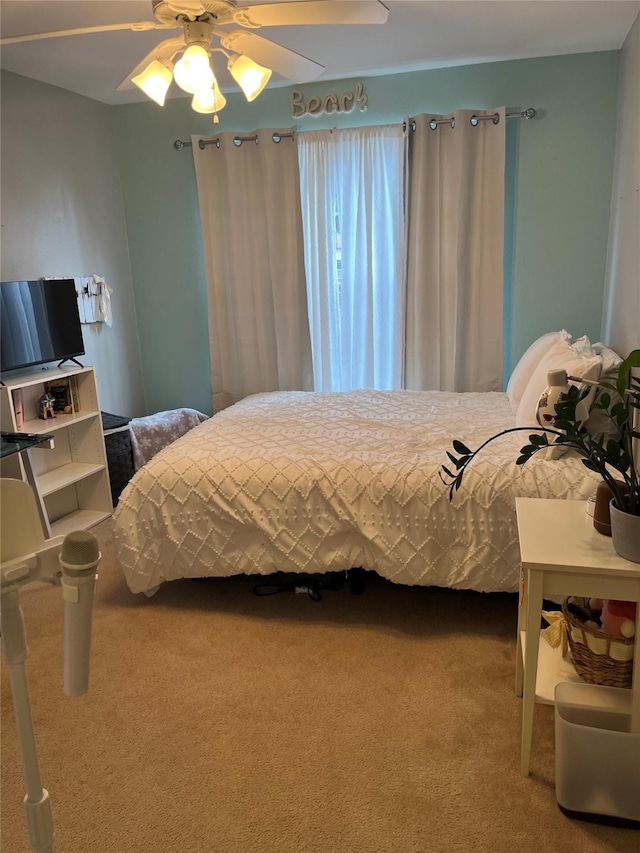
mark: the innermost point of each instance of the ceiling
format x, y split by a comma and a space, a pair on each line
418, 35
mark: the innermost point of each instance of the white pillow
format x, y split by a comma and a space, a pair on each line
523, 370
598, 423
610, 358
582, 346
560, 357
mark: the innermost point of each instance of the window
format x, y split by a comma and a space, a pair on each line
352, 184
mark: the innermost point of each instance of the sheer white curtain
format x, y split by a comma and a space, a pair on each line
352, 187
454, 338
249, 198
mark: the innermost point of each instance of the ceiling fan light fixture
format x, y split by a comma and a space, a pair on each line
154, 81
209, 100
251, 77
193, 71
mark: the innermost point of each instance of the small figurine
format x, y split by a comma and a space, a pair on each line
46, 408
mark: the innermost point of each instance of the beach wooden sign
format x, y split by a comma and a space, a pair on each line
345, 102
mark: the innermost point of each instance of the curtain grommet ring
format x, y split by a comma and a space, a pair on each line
202, 143
238, 140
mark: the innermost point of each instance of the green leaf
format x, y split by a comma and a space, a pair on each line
624, 463
631, 361
461, 448
619, 413
612, 451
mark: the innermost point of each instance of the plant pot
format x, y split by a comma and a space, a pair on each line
601, 510
625, 532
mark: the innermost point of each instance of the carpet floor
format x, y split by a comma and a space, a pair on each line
218, 721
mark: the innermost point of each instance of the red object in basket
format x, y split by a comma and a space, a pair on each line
614, 613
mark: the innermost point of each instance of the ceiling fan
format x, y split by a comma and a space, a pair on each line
251, 59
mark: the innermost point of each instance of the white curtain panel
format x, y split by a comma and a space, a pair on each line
249, 198
352, 186
455, 254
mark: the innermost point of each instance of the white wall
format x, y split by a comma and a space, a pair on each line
621, 314
62, 215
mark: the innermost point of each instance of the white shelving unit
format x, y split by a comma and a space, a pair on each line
72, 478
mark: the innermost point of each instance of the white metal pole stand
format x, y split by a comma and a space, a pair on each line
77, 557
37, 807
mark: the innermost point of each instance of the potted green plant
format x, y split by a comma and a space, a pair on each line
616, 459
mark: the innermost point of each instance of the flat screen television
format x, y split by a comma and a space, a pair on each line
39, 322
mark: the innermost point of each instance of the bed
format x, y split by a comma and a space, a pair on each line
310, 482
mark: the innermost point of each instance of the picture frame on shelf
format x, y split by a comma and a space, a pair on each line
60, 391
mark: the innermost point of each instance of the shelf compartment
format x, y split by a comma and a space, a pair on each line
39, 427
82, 519
66, 475
554, 669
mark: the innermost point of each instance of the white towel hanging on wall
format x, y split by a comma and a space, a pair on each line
102, 300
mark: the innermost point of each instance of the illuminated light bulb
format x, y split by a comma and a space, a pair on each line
251, 77
209, 100
154, 81
193, 72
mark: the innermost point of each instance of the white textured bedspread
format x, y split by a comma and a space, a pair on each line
310, 482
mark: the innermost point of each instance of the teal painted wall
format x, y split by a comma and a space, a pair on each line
559, 177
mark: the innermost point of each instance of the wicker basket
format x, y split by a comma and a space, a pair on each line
117, 442
598, 658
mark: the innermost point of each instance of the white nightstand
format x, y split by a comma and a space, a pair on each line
562, 554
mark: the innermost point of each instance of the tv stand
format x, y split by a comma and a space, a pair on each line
74, 360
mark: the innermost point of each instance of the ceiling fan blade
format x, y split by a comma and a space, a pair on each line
280, 59
165, 50
311, 12
104, 28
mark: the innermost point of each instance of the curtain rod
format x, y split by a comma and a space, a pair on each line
528, 114
237, 140
276, 137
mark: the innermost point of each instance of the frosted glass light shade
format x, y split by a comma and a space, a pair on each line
209, 100
193, 72
251, 77
154, 81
